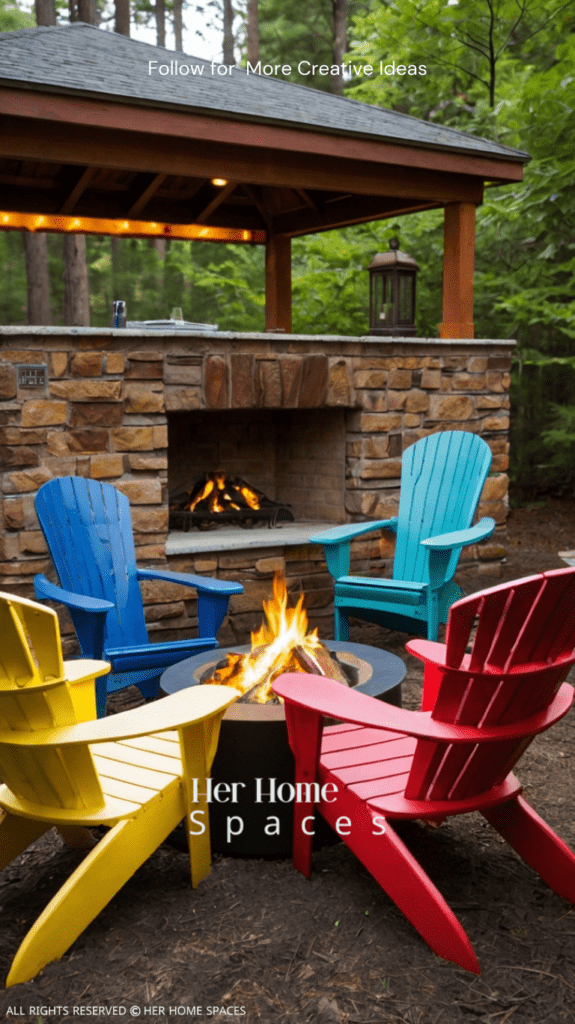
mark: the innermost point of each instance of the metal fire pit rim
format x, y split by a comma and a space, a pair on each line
183, 674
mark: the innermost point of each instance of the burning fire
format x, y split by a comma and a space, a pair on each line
220, 493
281, 644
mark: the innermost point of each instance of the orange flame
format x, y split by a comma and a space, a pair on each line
283, 629
219, 482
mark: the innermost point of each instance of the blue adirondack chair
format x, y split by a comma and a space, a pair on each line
88, 530
442, 477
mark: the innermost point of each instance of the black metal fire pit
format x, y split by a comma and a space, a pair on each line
254, 745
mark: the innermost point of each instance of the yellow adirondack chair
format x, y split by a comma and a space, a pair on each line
127, 772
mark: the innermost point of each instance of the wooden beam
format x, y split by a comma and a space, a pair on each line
260, 206
355, 210
126, 118
222, 195
458, 269
157, 154
278, 283
146, 195
21, 181
307, 199
79, 188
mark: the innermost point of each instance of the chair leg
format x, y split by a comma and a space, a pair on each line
432, 615
537, 843
16, 834
101, 695
92, 885
341, 625
77, 837
149, 688
405, 881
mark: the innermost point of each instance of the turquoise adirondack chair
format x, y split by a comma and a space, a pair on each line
442, 477
88, 530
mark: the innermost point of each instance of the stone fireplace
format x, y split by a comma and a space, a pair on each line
318, 422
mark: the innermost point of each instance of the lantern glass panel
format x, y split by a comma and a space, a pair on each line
405, 298
378, 299
382, 299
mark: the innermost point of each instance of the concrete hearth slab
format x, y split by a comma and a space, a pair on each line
235, 538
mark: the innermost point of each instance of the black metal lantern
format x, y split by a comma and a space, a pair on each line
392, 292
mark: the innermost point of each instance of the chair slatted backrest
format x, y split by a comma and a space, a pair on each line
509, 669
35, 695
88, 530
442, 477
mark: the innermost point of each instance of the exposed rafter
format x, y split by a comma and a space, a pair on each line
145, 196
255, 195
307, 200
80, 187
218, 199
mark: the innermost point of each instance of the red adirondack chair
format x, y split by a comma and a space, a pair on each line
485, 698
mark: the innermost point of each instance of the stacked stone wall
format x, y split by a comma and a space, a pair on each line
103, 414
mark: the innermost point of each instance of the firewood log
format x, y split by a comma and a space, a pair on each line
320, 662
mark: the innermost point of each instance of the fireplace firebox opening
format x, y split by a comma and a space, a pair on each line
296, 457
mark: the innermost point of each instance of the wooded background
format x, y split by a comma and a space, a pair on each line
500, 69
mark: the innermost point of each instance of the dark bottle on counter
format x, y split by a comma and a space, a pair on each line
119, 313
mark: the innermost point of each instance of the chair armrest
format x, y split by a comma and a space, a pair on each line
194, 704
88, 614
336, 542
213, 596
348, 531
203, 584
84, 669
459, 538
326, 697
49, 591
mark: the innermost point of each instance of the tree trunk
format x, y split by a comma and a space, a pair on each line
178, 45
37, 272
122, 17
87, 11
76, 284
45, 12
160, 23
253, 32
339, 42
159, 244
228, 32
36, 245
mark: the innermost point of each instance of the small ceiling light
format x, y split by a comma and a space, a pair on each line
219, 181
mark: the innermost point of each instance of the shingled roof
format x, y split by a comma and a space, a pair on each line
82, 60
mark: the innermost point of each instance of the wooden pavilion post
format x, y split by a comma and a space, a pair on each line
458, 267
278, 283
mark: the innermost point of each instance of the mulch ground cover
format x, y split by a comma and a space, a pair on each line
256, 942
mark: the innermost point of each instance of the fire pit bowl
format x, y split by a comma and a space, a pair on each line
254, 745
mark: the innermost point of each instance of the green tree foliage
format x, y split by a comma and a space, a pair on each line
11, 17
501, 69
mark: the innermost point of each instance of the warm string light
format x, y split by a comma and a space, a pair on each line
126, 228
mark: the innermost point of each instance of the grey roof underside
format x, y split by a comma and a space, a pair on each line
82, 59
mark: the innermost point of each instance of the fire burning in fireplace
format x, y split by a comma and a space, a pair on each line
222, 493
218, 497
281, 644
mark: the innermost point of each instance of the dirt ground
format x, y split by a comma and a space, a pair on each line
257, 942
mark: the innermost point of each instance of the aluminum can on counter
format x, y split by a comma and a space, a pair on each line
119, 313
